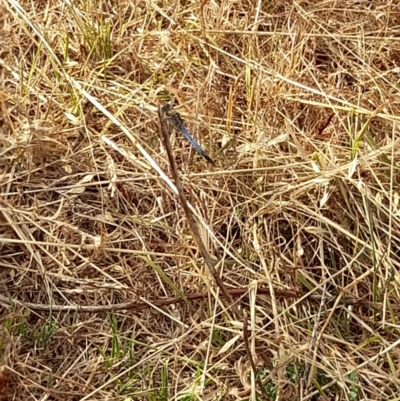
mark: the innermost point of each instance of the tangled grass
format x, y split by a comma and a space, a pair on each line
108, 291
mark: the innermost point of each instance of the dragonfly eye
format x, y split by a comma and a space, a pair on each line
165, 108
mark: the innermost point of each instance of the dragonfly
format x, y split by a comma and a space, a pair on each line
175, 121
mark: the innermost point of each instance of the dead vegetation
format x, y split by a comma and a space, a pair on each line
106, 295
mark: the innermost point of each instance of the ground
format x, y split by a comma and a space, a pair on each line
132, 268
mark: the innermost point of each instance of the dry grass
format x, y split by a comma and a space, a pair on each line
105, 292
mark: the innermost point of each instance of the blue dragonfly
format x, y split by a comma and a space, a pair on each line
176, 122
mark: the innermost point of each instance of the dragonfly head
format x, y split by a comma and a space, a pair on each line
166, 107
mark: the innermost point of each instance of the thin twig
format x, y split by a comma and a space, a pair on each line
249, 356
137, 305
312, 340
235, 292
165, 131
